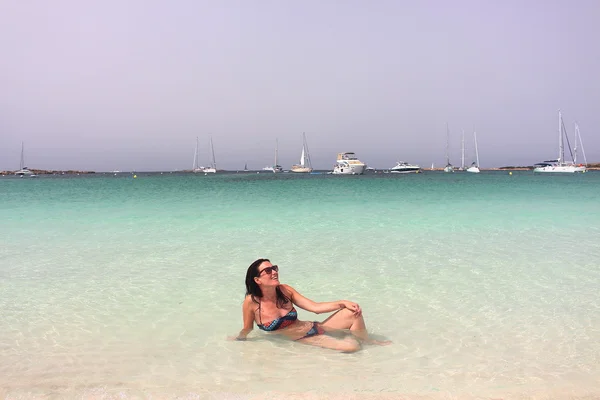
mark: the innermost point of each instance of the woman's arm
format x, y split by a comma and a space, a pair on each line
248, 315
322, 307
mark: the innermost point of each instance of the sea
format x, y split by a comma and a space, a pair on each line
123, 286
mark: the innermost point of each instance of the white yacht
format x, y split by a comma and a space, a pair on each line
405, 168
275, 168
560, 164
474, 168
213, 163
195, 166
348, 164
23, 170
449, 167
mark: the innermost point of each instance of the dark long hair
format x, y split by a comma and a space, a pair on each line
253, 289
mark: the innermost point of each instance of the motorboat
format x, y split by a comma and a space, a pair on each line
348, 164
405, 168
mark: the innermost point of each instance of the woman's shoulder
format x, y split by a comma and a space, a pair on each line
287, 289
250, 301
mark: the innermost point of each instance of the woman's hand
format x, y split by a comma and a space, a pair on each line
238, 338
355, 308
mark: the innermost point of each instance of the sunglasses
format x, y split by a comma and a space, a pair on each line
269, 270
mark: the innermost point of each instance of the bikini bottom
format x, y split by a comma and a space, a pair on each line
314, 331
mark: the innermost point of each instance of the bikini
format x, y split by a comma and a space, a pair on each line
278, 323
287, 320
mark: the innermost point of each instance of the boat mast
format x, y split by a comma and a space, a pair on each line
447, 144
476, 151
305, 148
212, 148
276, 145
22, 164
578, 135
560, 139
575, 148
462, 160
195, 163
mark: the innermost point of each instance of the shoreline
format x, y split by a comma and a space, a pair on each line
591, 167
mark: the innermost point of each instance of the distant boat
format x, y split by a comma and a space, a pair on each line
474, 168
405, 168
348, 164
462, 153
560, 165
448, 167
23, 170
276, 167
305, 165
196, 167
246, 167
213, 163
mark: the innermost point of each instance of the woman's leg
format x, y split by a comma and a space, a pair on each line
346, 345
346, 319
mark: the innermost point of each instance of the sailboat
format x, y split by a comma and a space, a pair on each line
474, 168
276, 167
23, 170
462, 155
305, 165
213, 164
195, 167
448, 167
578, 136
560, 165
246, 167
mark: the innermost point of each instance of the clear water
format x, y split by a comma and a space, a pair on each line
115, 287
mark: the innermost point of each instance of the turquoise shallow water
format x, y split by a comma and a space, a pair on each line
118, 287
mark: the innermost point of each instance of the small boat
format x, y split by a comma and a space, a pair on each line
448, 167
196, 167
275, 168
213, 164
23, 170
348, 164
305, 164
474, 168
405, 168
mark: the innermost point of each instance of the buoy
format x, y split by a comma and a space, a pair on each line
510, 173
135, 176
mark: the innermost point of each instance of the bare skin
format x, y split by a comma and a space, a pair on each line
348, 315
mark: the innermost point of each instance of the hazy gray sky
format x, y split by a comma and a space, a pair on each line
129, 84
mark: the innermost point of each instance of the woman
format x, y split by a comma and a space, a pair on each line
271, 305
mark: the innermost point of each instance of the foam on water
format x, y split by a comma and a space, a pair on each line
120, 287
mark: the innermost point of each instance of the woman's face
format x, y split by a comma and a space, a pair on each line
268, 274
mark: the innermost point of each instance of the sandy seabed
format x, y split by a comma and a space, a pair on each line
125, 394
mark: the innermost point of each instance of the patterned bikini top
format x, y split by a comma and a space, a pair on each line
278, 323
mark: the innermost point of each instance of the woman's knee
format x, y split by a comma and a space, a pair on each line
349, 346
349, 314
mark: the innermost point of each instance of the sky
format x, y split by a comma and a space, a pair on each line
129, 85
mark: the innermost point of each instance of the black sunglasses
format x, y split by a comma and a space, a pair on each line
269, 270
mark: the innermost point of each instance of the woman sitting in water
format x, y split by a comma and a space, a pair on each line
271, 305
